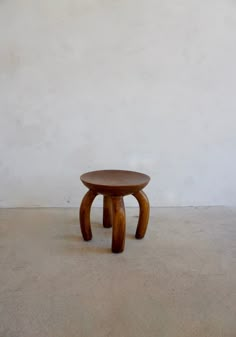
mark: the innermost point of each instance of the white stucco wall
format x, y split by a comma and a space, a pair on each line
141, 85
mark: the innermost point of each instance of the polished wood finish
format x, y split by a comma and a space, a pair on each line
114, 185
85, 214
107, 211
143, 215
118, 226
115, 182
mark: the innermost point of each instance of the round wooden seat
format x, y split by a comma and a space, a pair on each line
115, 182
114, 185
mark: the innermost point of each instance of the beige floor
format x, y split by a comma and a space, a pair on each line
180, 281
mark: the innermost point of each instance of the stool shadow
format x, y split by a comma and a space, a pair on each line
69, 237
96, 225
74, 245
79, 250
83, 248
130, 236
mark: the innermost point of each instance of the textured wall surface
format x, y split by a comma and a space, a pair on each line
141, 85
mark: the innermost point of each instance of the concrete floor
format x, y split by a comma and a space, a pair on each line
180, 281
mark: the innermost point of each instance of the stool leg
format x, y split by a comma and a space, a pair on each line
107, 211
143, 215
118, 226
85, 208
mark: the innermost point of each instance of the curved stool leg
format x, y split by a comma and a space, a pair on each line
107, 211
118, 226
143, 215
85, 208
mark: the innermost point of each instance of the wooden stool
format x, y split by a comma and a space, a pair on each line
114, 185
